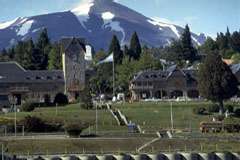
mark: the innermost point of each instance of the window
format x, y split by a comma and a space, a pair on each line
28, 78
59, 77
49, 78
37, 77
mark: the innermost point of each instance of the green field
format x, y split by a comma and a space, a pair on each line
151, 117
156, 116
72, 113
117, 146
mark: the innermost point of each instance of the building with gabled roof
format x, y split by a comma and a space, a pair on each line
171, 83
42, 85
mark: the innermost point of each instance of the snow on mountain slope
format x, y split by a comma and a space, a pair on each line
7, 24
97, 21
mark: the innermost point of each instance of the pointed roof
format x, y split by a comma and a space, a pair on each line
66, 42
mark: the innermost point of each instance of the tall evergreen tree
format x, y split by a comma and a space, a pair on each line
11, 53
216, 82
55, 58
209, 46
115, 48
43, 40
135, 47
235, 41
222, 41
20, 50
189, 52
37, 60
44, 46
27, 56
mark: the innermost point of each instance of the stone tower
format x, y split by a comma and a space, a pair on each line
73, 57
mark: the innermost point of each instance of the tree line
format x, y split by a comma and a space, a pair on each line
39, 55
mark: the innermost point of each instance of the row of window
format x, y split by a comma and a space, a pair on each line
155, 76
44, 78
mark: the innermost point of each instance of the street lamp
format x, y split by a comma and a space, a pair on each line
13, 102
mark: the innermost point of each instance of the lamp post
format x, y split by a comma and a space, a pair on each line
13, 101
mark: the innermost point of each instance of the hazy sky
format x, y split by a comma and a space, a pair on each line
207, 16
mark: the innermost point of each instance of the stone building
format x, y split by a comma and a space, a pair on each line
171, 83
40, 86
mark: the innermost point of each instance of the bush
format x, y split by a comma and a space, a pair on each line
74, 129
237, 112
61, 99
28, 107
230, 108
37, 125
213, 108
33, 124
199, 110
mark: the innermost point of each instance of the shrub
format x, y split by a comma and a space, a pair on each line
214, 108
199, 110
237, 112
33, 124
230, 108
61, 99
28, 106
74, 129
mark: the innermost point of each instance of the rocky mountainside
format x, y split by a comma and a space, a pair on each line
97, 21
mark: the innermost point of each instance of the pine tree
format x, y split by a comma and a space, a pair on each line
135, 47
235, 41
216, 82
37, 60
222, 41
27, 56
55, 58
43, 40
20, 50
115, 48
44, 46
228, 38
189, 52
209, 46
11, 53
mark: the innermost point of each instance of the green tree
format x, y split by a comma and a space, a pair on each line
216, 81
135, 47
209, 46
20, 50
236, 58
147, 61
55, 58
44, 46
125, 72
189, 52
27, 56
115, 48
37, 60
235, 41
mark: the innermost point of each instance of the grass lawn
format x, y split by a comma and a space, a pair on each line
116, 146
71, 113
153, 116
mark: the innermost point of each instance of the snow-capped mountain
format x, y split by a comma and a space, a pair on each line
97, 21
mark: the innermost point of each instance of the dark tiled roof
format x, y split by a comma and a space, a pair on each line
159, 75
12, 72
65, 42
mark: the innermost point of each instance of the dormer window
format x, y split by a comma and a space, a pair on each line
49, 78
59, 77
37, 77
